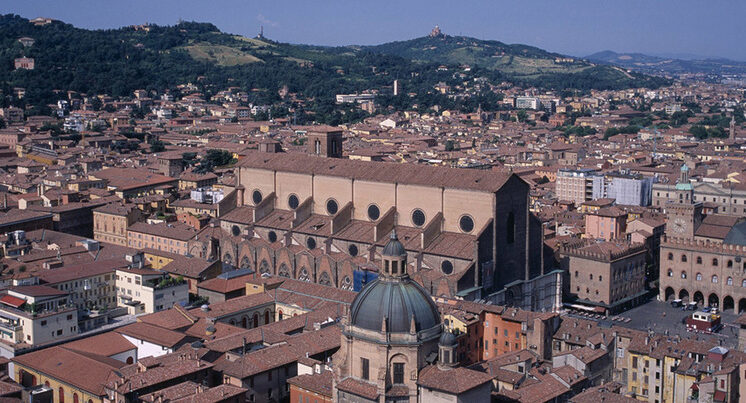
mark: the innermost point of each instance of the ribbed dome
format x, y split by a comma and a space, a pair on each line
447, 339
394, 247
736, 235
396, 300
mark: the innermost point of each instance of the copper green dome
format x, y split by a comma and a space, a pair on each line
398, 301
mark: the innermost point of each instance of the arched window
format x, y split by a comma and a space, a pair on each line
683, 274
279, 314
670, 256
714, 279
729, 264
245, 322
75, 398
61, 393
130, 360
714, 262
46, 383
510, 228
699, 277
324, 279
699, 259
266, 317
743, 283
729, 281
670, 273
284, 271
256, 320
683, 258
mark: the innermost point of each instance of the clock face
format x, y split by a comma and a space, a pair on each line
679, 226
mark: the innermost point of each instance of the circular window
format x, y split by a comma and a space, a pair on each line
446, 267
466, 223
311, 243
331, 206
418, 217
256, 196
373, 212
235, 230
272, 236
293, 202
352, 249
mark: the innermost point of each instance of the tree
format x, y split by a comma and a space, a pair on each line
522, 116
214, 158
449, 145
157, 146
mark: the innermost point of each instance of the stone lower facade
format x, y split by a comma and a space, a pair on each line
709, 273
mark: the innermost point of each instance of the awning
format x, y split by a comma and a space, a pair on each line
10, 300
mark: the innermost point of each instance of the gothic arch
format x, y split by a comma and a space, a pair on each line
324, 279
346, 283
264, 268
284, 271
304, 275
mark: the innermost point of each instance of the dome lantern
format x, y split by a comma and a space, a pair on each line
394, 257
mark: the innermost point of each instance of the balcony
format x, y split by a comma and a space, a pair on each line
165, 282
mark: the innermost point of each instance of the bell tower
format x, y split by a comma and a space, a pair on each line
325, 142
684, 215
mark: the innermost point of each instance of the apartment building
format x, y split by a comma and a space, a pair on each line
144, 290
36, 314
577, 185
170, 237
110, 222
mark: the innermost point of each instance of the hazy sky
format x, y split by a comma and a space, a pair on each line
576, 27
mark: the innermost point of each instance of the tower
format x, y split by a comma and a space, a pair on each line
325, 142
392, 328
684, 215
732, 132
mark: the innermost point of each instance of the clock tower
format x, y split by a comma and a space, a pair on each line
684, 215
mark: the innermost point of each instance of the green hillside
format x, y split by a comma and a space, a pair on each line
119, 61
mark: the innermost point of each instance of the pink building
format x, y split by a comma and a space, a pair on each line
606, 223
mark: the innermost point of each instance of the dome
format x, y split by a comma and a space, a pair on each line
736, 235
447, 339
398, 301
394, 247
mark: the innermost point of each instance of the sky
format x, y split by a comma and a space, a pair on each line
711, 28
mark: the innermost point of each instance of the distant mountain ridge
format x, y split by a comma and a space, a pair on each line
663, 65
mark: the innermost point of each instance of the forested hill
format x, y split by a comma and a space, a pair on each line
118, 61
